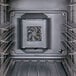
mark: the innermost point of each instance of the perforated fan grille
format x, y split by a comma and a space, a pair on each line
34, 33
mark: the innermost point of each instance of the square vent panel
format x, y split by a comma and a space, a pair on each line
34, 33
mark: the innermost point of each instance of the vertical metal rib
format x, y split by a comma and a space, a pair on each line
38, 67
29, 68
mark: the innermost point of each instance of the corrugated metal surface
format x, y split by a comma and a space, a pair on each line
22, 68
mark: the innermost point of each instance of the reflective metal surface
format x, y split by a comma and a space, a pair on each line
35, 45
44, 68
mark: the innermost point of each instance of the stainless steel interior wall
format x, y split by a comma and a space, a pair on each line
57, 19
39, 4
